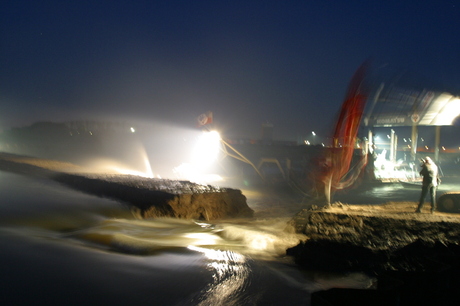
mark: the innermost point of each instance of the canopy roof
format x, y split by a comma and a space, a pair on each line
395, 106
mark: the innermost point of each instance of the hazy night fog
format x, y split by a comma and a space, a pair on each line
287, 63
116, 87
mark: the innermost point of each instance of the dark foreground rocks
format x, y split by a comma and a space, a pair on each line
147, 197
415, 257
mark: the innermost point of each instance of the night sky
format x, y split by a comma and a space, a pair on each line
250, 62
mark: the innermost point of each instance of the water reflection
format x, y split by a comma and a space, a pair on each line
230, 273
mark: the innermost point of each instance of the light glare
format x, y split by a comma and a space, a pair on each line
203, 156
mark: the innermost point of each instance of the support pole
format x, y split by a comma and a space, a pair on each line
414, 137
392, 146
437, 141
370, 142
395, 148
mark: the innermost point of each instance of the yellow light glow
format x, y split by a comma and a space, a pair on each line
108, 165
130, 172
202, 238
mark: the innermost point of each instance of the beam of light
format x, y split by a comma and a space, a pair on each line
106, 165
145, 159
109, 165
146, 172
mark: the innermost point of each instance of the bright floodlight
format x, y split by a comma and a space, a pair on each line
207, 149
204, 154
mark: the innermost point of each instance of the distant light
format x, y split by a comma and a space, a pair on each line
306, 142
443, 148
313, 133
132, 130
426, 147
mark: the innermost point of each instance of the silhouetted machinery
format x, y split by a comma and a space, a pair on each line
449, 202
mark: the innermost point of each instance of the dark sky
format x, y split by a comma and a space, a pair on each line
250, 62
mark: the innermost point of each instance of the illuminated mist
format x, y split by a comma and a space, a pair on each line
148, 149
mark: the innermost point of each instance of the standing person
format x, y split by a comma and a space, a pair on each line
430, 182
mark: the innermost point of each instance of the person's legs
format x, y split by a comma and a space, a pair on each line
433, 198
422, 199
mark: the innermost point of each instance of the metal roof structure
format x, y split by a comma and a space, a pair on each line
398, 98
392, 106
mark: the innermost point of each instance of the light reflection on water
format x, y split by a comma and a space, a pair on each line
230, 273
72, 248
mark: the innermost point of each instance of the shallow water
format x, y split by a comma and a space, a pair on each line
63, 247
